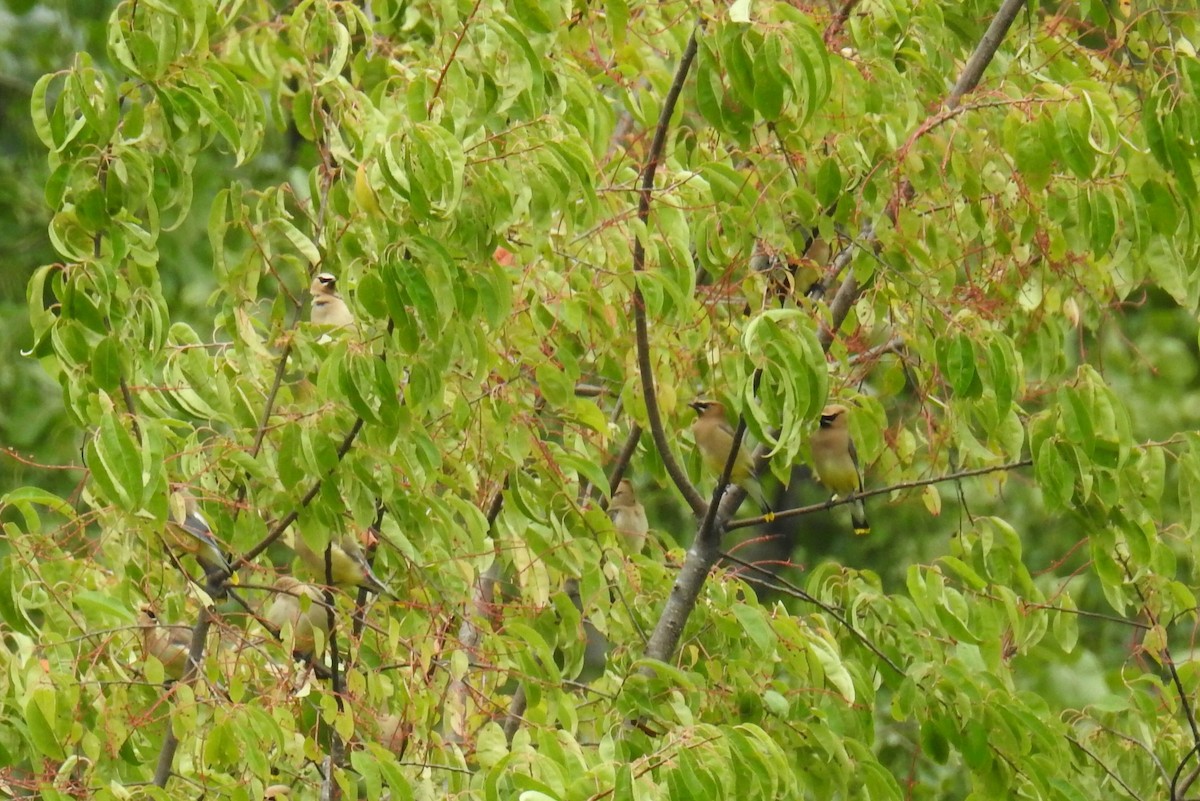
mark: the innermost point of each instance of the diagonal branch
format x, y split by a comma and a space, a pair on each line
781, 585
1104, 767
985, 51
282, 526
690, 494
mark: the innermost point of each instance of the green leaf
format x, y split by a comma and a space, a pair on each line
769, 81
40, 714
756, 626
116, 463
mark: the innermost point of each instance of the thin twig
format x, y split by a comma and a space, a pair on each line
166, 754
985, 51
1103, 767
782, 585
482, 597
903, 485
277, 531
621, 463
453, 54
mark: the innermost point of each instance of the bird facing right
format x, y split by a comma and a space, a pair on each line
348, 568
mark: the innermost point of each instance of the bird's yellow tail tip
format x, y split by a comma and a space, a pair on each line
862, 531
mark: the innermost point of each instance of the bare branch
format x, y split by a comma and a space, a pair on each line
166, 754
690, 494
1104, 767
903, 485
985, 51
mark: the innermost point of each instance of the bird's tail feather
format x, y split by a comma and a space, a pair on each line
371, 582
755, 491
858, 518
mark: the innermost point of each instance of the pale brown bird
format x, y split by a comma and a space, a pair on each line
348, 566
168, 644
629, 516
328, 308
287, 609
835, 461
714, 438
188, 532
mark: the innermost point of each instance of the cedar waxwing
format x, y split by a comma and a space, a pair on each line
348, 566
714, 437
287, 609
328, 308
168, 644
188, 532
629, 516
836, 462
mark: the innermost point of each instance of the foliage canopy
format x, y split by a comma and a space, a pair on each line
998, 280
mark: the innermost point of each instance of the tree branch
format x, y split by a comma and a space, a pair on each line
166, 754
1104, 767
779, 584
694, 499
903, 485
621, 463
282, 526
703, 553
482, 597
985, 51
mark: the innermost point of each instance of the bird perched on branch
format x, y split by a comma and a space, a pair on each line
168, 644
835, 461
288, 608
328, 308
348, 566
714, 438
188, 532
629, 516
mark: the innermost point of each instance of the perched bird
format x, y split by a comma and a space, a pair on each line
835, 461
348, 566
188, 532
168, 644
629, 516
328, 308
287, 609
714, 437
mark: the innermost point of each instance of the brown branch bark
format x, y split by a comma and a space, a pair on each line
985, 51
166, 754
694, 499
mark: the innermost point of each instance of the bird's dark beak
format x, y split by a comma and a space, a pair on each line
697, 406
